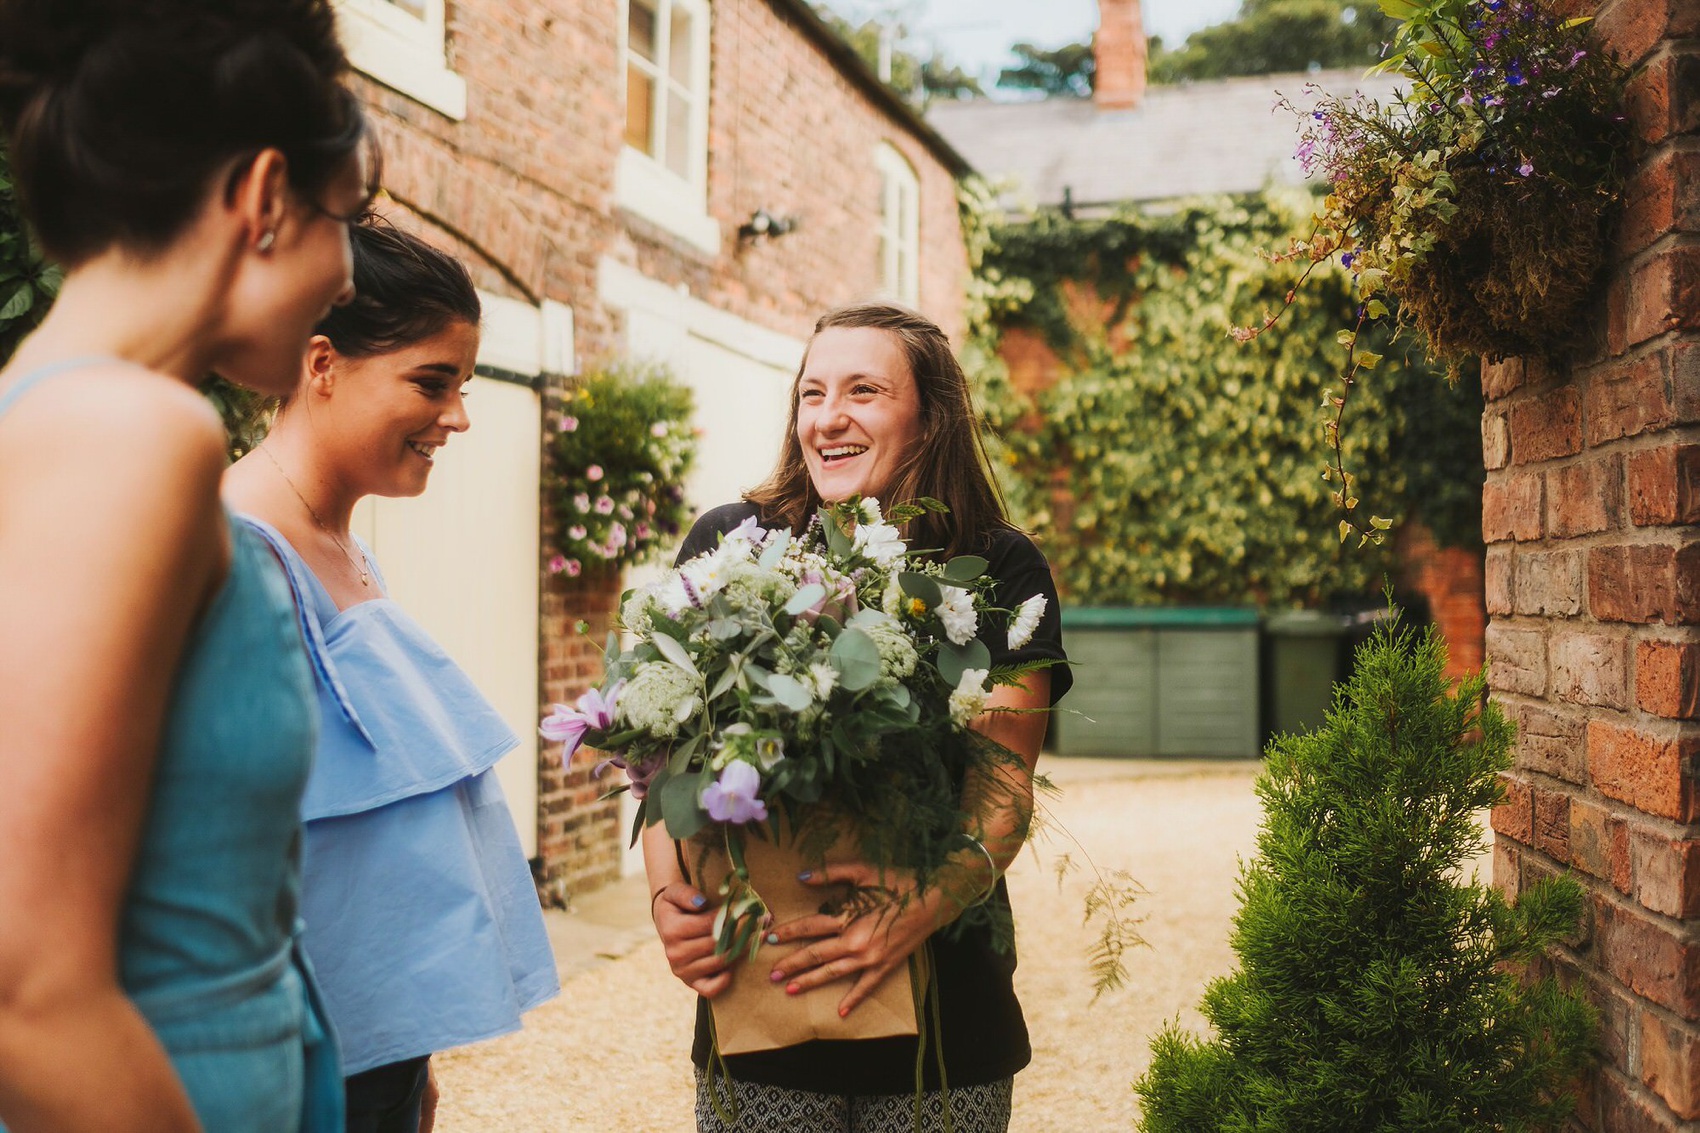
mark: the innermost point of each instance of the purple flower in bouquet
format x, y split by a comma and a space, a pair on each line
637, 774
592, 711
732, 797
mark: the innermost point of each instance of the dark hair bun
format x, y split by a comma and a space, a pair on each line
120, 111
405, 291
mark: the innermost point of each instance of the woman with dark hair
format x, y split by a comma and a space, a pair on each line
881, 408
421, 914
191, 166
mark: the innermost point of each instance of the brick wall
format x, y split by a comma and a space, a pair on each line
1593, 588
523, 190
578, 834
1450, 580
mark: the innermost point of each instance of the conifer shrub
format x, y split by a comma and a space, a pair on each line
1380, 987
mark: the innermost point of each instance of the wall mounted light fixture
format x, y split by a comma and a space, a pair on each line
763, 225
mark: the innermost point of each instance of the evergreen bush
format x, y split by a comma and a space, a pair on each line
1380, 988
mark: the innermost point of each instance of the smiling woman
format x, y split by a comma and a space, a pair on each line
421, 915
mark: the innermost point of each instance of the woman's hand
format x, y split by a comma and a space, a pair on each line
866, 946
685, 923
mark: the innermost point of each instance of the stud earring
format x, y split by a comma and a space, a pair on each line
266, 240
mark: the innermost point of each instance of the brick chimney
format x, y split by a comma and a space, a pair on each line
1119, 52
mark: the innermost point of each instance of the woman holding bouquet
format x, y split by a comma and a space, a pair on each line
421, 914
881, 409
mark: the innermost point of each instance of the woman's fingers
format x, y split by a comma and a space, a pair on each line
710, 986
811, 927
864, 987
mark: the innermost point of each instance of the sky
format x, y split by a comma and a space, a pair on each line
977, 34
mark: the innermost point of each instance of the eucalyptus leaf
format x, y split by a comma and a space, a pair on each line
921, 586
679, 806
804, 598
954, 660
676, 653
965, 568
857, 660
774, 552
789, 692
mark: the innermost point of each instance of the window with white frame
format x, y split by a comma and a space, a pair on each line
900, 226
663, 173
403, 44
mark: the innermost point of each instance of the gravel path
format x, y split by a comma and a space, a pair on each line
612, 1052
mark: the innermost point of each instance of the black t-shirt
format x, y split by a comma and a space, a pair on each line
984, 1033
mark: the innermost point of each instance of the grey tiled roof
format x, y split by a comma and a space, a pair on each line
1222, 136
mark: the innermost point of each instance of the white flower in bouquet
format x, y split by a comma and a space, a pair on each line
968, 699
898, 655
880, 542
822, 679
868, 510
956, 613
1026, 621
658, 698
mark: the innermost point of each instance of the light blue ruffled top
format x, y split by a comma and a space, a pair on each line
422, 919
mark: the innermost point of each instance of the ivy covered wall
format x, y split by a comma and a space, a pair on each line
1168, 463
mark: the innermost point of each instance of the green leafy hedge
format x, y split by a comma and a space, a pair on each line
28, 283
1172, 464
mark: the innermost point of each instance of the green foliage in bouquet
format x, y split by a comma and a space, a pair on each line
618, 461
1378, 987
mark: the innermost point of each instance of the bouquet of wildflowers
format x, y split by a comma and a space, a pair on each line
776, 673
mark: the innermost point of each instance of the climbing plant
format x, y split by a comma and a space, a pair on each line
28, 282
1170, 463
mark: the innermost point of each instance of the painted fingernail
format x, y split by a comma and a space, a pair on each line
773, 938
843, 1012
805, 875
698, 901
776, 975
792, 989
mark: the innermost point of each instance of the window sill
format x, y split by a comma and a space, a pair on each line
401, 62
645, 188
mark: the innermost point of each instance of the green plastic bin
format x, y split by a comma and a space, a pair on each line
1160, 681
1304, 661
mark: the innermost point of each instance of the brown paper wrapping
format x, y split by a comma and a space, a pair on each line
754, 1013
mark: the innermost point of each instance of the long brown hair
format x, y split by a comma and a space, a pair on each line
947, 463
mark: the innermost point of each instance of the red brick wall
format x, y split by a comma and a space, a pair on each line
523, 189
1450, 580
1593, 587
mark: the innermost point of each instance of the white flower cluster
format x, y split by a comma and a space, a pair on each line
898, 655
968, 699
956, 613
658, 698
1026, 621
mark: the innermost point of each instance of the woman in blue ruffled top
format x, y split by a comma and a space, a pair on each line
422, 918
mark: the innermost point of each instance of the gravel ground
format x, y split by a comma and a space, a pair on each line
612, 1052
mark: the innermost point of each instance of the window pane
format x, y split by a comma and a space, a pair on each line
642, 23
640, 109
679, 133
679, 47
415, 8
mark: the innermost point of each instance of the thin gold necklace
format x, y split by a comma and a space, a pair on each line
359, 565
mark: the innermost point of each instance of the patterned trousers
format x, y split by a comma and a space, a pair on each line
772, 1109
